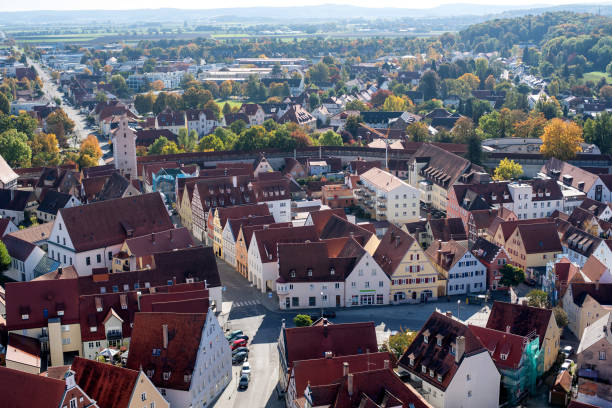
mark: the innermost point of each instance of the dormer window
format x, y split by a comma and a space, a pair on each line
332, 271
503, 356
25, 316
309, 271
425, 338
166, 375
93, 329
453, 350
439, 378
412, 361
439, 340
423, 369
150, 373
431, 373
292, 273
187, 378
156, 352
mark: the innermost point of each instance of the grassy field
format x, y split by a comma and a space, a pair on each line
232, 103
595, 76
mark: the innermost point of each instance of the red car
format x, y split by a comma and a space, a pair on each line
239, 343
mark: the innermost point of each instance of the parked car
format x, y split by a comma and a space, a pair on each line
246, 368
244, 382
238, 343
241, 337
567, 350
239, 350
566, 365
239, 357
230, 336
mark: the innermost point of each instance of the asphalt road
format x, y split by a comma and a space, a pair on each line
51, 90
259, 317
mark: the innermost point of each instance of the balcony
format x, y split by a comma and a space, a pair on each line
381, 206
382, 199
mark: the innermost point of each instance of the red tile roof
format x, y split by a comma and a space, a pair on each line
269, 238
179, 358
124, 305
321, 217
439, 358
445, 254
538, 238
446, 229
110, 386
304, 343
501, 343
519, 319
33, 298
163, 241
240, 211
310, 262
24, 390
110, 222
392, 248
149, 302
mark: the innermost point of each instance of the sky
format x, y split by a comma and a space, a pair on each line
7, 5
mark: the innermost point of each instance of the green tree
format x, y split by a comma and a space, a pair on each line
196, 97
418, 132
119, 85
5, 105
144, 103
210, 142
356, 105
187, 140
14, 148
45, 150
549, 107
463, 130
227, 109
302, 320
560, 316
319, 73
314, 101
474, 153
5, 258
507, 170
511, 275
429, 85
330, 138
158, 145
238, 126
60, 125
252, 139
598, 131
537, 298
213, 106
398, 343
394, 103
352, 124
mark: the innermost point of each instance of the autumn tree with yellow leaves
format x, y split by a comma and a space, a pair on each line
561, 139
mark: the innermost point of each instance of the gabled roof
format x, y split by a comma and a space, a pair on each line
25, 390
35, 234
242, 211
271, 190
15, 200
556, 169
53, 201
114, 187
24, 350
197, 262
521, 320
110, 222
6, 172
443, 167
192, 300
337, 227
109, 385
483, 218
123, 305
445, 229
500, 343
485, 250
269, 238
594, 269
445, 254
179, 358
392, 248
345, 339
310, 262
439, 358
162, 241
321, 217
538, 238
600, 292
18, 248
382, 180
236, 223
146, 137
221, 192
480, 196
580, 241
598, 330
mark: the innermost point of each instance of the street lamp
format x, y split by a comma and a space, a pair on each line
321, 303
458, 305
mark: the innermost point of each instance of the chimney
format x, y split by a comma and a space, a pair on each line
460, 348
508, 329
165, 335
449, 313
386, 364
59, 271
345, 369
350, 385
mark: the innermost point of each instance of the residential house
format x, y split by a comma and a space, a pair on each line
25, 256
231, 233
111, 222
254, 113
579, 245
263, 252
47, 310
146, 137
261, 165
273, 189
596, 271
8, 178
463, 272
560, 392
124, 149
52, 202
297, 114
386, 197
494, 258
450, 366
515, 356
23, 390
340, 227
413, 277
589, 183
112, 386
217, 220
116, 186
337, 196
595, 350
7, 227
15, 203
434, 171
444, 229
23, 353
185, 355
173, 121
203, 121
584, 304
321, 339
294, 168
527, 321
531, 246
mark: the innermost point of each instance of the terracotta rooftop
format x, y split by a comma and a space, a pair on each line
345, 339
110, 386
392, 248
269, 238
110, 222
179, 357
310, 262
163, 241
519, 319
600, 292
94, 311
445, 254
23, 350
321, 217
499, 343
446, 229
24, 390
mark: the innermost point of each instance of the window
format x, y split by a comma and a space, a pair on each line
423, 369
337, 285
152, 404
64, 241
156, 352
98, 258
87, 260
73, 403
469, 394
367, 284
110, 256
380, 284
602, 355
143, 396
166, 375
439, 378
312, 301
469, 377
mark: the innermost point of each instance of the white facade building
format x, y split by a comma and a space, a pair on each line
202, 124
468, 275
387, 197
367, 283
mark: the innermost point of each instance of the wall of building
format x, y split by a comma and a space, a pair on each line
475, 384
153, 398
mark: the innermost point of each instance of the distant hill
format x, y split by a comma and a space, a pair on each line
293, 14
